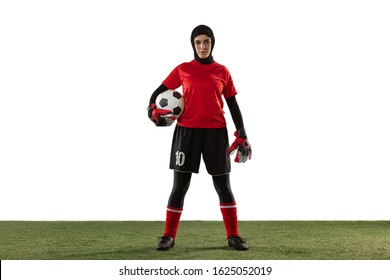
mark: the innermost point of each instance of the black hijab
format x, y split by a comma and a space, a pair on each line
203, 30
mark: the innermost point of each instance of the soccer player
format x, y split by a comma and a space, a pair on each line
201, 131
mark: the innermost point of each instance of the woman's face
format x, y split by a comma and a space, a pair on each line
202, 45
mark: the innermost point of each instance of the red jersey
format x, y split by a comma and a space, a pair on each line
203, 86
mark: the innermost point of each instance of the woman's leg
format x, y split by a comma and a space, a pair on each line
229, 212
181, 183
227, 204
222, 186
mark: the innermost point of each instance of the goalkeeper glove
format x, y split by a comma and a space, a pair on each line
160, 117
241, 144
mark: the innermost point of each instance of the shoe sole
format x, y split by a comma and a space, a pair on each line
163, 248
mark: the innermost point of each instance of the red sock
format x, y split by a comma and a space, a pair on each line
172, 221
229, 214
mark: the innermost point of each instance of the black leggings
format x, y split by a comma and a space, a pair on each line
181, 183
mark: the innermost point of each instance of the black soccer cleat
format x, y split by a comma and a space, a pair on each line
238, 243
165, 243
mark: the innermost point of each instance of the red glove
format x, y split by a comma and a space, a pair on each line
160, 117
244, 149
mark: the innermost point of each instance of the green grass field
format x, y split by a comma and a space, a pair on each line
196, 240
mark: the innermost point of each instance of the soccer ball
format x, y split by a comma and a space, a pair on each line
171, 100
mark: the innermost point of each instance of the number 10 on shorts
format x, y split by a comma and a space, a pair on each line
180, 158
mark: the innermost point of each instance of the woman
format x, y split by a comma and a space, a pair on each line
201, 130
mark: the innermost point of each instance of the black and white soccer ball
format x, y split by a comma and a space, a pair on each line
171, 100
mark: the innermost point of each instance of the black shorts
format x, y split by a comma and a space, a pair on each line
189, 144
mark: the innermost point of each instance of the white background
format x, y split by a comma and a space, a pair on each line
281, 269
76, 77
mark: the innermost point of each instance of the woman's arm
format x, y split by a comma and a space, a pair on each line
236, 115
159, 90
